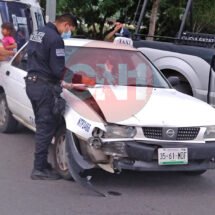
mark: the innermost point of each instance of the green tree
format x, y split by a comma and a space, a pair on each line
170, 15
166, 15
43, 3
153, 19
94, 12
203, 16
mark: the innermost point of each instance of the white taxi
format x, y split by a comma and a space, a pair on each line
128, 117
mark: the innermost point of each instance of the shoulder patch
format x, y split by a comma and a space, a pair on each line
37, 37
60, 52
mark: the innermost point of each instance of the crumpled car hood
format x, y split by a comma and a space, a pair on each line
159, 107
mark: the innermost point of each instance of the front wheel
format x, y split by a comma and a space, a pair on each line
7, 123
60, 155
69, 161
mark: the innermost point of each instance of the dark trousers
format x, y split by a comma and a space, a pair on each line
41, 97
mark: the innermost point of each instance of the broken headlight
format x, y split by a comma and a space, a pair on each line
115, 131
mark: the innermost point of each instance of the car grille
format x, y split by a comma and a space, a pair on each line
153, 133
189, 133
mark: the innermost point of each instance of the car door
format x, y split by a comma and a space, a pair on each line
15, 87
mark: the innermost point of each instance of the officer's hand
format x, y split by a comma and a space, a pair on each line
66, 85
70, 86
79, 86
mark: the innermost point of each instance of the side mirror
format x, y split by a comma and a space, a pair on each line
174, 80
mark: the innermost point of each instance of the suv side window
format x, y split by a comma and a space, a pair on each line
20, 61
40, 20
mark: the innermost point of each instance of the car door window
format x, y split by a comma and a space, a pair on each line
20, 61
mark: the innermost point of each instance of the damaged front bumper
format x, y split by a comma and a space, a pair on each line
131, 155
141, 156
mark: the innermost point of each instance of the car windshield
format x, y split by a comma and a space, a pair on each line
111, 67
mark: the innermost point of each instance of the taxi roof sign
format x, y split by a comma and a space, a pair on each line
123, 41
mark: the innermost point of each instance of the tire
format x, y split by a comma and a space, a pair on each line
195, 173
60, 155
184, 87
7, 122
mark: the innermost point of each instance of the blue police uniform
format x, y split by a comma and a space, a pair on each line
46, 60
46, 55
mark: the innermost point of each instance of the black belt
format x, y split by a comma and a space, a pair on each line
35, 78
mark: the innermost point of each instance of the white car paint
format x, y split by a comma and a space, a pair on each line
72, 117
165, 108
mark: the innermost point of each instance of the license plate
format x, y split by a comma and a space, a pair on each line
172, 156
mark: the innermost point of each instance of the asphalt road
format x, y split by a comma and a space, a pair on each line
141, 193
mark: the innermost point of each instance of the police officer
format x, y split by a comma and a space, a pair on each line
46, 61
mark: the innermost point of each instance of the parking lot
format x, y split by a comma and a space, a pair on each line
137, 193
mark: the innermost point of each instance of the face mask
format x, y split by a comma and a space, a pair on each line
66, 35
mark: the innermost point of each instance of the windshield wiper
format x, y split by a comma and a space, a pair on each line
145, 85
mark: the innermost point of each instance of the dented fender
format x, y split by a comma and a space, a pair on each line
80, 118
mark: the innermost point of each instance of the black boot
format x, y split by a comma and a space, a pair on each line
45, 174
48, 166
